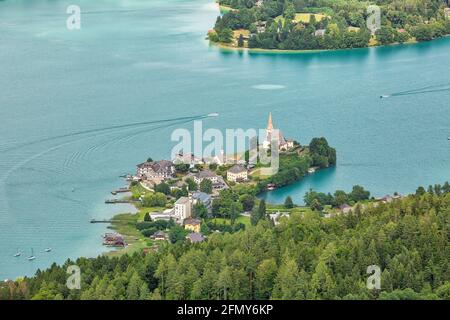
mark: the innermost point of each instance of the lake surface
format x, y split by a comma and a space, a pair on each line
71, 103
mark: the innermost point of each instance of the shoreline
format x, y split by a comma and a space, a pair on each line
226, 47
223, 46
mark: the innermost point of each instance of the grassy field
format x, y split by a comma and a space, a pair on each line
303, 17
272, 208
224, 9
125, 224
354, 29
138, 190
238, 32
143, 210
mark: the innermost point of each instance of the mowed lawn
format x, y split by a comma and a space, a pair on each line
303, 17
238, 32
224, 9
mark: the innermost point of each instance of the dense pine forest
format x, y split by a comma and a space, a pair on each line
306, 256
327, 24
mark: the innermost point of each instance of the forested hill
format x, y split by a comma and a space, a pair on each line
327, 24
304, 257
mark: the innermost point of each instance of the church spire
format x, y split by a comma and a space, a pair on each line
269, 123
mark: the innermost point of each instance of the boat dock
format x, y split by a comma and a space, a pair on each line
121, 190
100, 221
115, 201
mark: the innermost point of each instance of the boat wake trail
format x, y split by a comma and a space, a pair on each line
424, 90
114, 140
99, 130
114, 134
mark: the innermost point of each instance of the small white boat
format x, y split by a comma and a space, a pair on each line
48, 249
17, 254
31, 257
214, 114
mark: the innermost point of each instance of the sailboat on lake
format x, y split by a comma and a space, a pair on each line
17, 254
31, 257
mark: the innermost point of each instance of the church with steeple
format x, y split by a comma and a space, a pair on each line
284, 144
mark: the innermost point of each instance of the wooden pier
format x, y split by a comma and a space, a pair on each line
121, 190
100, 221
115, 201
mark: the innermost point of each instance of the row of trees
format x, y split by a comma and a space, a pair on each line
304, 257
317, 200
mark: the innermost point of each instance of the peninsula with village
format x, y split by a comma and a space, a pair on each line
187, 198
299, 25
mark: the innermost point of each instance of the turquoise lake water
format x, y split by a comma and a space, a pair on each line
70, 102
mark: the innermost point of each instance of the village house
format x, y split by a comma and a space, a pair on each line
205, 174
237, 173
345, 208
182, 208
113, 240
201, 197
447, 13
187, 158
192, 225
156, 171
388, 198
275, 217
195, 237
319, 33
219, 159
159, 236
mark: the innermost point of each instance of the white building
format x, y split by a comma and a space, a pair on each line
166, 215
182, 209
275, 217
319, 33
156, 171
237, 173
205, 174
259, 3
